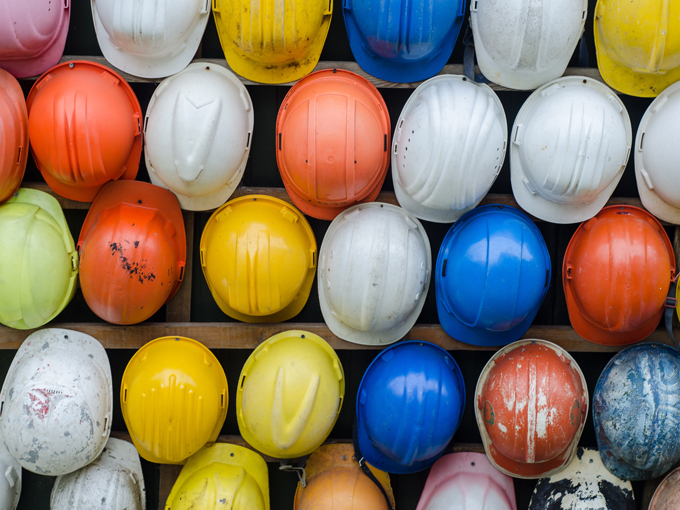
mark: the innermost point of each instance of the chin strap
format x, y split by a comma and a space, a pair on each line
297, 466
671, 303
469, 59
365, 468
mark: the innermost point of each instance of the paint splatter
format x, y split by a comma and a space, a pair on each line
133, 268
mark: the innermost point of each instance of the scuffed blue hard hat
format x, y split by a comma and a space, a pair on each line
493, 272
409, 404
636, 412
403, 42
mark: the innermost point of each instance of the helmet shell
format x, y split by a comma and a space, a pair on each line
150, 38
10, 485
628, 253
582, 485
111, 482
638, 45
667, 494
374, 273
493, 272
333, 134
335, 481
290, 394
258, 256
132, 251
522, 44
278, 42
449, 146
39, 266
409, 405
32, 35
570, 145
233, 476
102, 140
179, 370
636, 411
13, 135
58, 395
401, 42
531, 404
461, 481
655, 156
197, 134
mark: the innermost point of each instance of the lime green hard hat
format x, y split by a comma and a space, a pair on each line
38, 260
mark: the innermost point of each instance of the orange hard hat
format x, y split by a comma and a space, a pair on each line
335, 481
531, 407
132, 251
616, 274
13, 135
85, 126
333, 134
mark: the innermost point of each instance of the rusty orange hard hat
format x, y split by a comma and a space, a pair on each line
616, 273
132, 251
332, 139
531, 404
13, 135
335, 481
85, 125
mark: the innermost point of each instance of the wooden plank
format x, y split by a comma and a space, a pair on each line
386, 197
586, 72
179, 307
237, 335
169, 474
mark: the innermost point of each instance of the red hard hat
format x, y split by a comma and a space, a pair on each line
132, 251
13, 135
333, 134
616, 274
531, 407
85, 126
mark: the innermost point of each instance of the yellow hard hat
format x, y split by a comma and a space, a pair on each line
335, 481
234, 476
258, 256
290, 394
638, 45
272, 42
174, 398
39, 262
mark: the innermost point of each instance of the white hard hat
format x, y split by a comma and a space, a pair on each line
657, 153
569, 147
374, 272
449, 146
522, 44
112, 482
10, 485
583, 485
150, 38
57, 402
197, 135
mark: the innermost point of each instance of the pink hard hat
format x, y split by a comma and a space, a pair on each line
32, 35
467, 480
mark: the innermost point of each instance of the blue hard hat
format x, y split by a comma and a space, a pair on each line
403, 42
492, 274
410, 403
636, 412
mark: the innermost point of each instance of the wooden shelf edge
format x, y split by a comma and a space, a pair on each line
587, 72
387, 197
237, 335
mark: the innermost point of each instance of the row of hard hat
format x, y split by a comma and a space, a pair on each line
519, 44
531, 404
259, 257
570, 142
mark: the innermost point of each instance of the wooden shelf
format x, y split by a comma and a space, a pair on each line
588, 72
387, 197
237, 335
